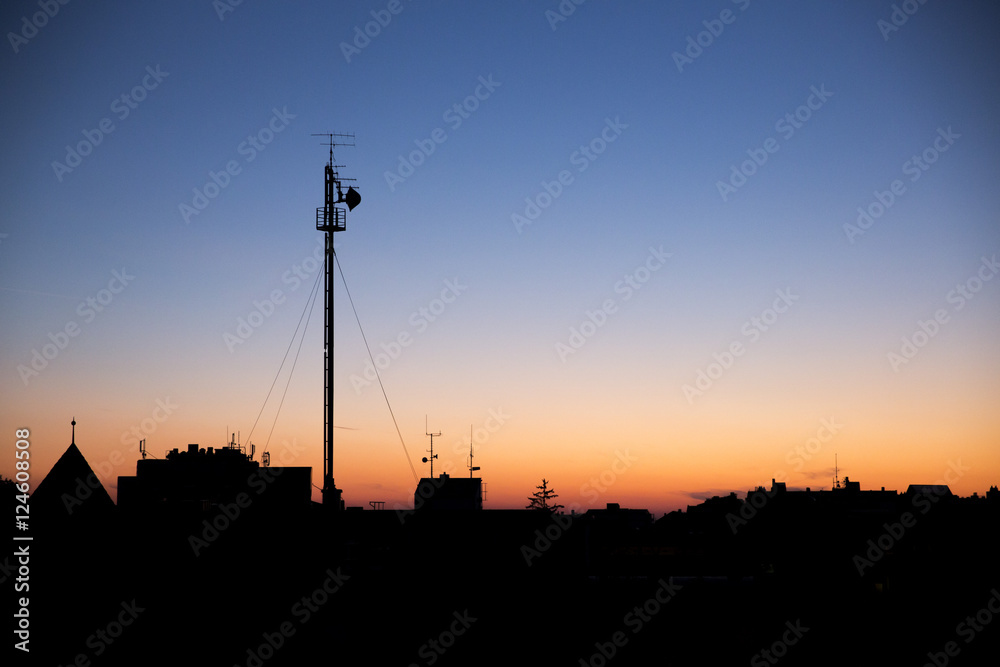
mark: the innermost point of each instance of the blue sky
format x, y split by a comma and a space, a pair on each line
662, 132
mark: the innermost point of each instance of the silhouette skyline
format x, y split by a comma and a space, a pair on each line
587, 331
175, 567
630, 262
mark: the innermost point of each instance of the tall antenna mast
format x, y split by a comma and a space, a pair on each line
472, 468
836, 473
431, 450
330, 219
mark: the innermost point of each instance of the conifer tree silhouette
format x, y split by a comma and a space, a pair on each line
540, 500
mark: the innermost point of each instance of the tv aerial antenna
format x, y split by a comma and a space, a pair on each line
472, 468
432, 456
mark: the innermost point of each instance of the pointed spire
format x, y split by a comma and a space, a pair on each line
73, 440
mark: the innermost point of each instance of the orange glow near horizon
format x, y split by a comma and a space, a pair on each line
627, 462
600, 250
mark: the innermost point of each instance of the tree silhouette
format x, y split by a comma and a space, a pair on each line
540, 500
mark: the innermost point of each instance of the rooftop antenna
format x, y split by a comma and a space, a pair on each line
73, 436
331, 219
836, 473
142, 448
431, 450
472, 468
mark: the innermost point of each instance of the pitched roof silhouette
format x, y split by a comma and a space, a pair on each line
71, 490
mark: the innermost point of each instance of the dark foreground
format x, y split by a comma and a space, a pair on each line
804, 587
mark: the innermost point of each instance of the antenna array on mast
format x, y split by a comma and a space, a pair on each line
431, 450
330, 219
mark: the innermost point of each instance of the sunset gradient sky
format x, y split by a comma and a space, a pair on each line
653, 252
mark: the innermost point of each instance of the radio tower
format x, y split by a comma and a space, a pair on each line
331, 219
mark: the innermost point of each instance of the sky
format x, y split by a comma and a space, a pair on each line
648, 251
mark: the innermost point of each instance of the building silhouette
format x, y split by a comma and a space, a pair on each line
202, 478
448, 493
212, 577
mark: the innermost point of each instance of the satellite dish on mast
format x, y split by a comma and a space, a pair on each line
352, 198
